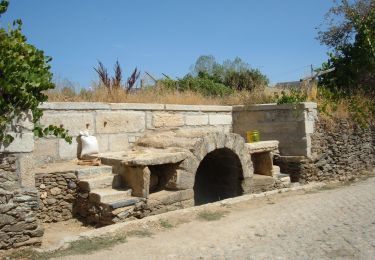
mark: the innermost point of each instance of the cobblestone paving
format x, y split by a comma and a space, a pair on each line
328, 224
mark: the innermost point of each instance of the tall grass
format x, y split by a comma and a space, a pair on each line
358, 108
159, 94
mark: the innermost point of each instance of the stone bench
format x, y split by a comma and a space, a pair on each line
262, 156
136, 166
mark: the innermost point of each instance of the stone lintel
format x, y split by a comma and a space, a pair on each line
202, 108
274, 106
136, 106
262, 146
75, 106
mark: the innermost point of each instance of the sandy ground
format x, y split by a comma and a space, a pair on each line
55, 232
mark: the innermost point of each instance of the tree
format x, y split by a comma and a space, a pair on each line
350, 34
24, 75
236, 74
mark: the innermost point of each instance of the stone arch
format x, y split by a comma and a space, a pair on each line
219, 176
208, 149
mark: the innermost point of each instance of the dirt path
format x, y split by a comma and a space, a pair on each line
337, 223
54, 232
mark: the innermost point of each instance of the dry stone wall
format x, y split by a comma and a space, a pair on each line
57, 192
340, 151
18, 204
18, 221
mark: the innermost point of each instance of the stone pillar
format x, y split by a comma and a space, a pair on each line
138, 179
263, 163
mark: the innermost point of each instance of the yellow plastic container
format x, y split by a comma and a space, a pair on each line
253, 136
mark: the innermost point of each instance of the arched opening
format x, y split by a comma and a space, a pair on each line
218, 177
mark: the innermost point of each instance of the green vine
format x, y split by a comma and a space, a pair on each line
24, 75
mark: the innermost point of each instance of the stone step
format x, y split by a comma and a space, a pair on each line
275, 170
116, 204
284, 178
105, 180
106, 195
93, 171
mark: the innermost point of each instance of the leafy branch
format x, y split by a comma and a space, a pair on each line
24, 76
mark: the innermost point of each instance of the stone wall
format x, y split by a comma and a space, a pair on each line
291, 125
18, 204
18, 222
57, 192
117, 125
340, 151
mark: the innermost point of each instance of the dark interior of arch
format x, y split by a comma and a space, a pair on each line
218, 177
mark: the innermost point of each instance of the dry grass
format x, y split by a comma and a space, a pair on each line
160, 95
207, 215
338, 109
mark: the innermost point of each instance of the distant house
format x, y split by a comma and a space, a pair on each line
288, 85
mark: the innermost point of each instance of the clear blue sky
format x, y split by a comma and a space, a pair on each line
167, 36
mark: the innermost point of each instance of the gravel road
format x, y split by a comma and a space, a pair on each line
326, 224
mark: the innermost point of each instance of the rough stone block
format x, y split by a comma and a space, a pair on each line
132, 139
118, 142
229, 141
196, 120
120, 122
26, 164
262, 163
24, 123
72, 121
167, 120
220, 119
103, 143
203, 108
168, 198
190, 164
309, 127
262, 146
23, 143
200, 149
138, 179
136, 106
297, 148
181, 180
292, 115
262, 183
68, 151
151, 156
46, 147
210, 142
220, 140
149, 116
74, 106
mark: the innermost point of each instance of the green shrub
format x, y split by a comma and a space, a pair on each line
293, 97
202, 85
